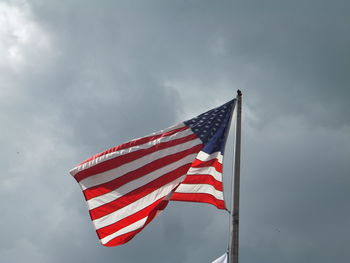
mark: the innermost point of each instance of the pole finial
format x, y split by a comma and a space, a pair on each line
239, 93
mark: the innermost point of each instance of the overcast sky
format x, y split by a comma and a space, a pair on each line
80, 76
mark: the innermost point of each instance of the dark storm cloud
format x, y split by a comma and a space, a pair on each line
299, 50
301, 179
78, 77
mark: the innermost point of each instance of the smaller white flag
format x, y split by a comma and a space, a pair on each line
222, 259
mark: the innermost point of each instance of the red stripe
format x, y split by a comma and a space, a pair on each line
133, 175
135, 142
138, 193
200, 198
214, 163
110, 229
118, 161
203, 179
119, 240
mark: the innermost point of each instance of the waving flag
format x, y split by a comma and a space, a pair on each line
126, 186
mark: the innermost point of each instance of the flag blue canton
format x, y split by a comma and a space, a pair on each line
212, 127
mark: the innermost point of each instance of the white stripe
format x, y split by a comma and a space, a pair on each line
206, 170
115, 154
128, 167
137, 205
129, 228
200, 189
130, 186
203, 156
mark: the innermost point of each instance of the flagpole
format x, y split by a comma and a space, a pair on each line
234, 242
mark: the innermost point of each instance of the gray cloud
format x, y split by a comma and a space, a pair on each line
81, 76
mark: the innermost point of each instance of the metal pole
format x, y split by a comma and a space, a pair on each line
234, 244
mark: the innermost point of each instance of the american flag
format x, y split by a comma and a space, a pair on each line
127, 186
